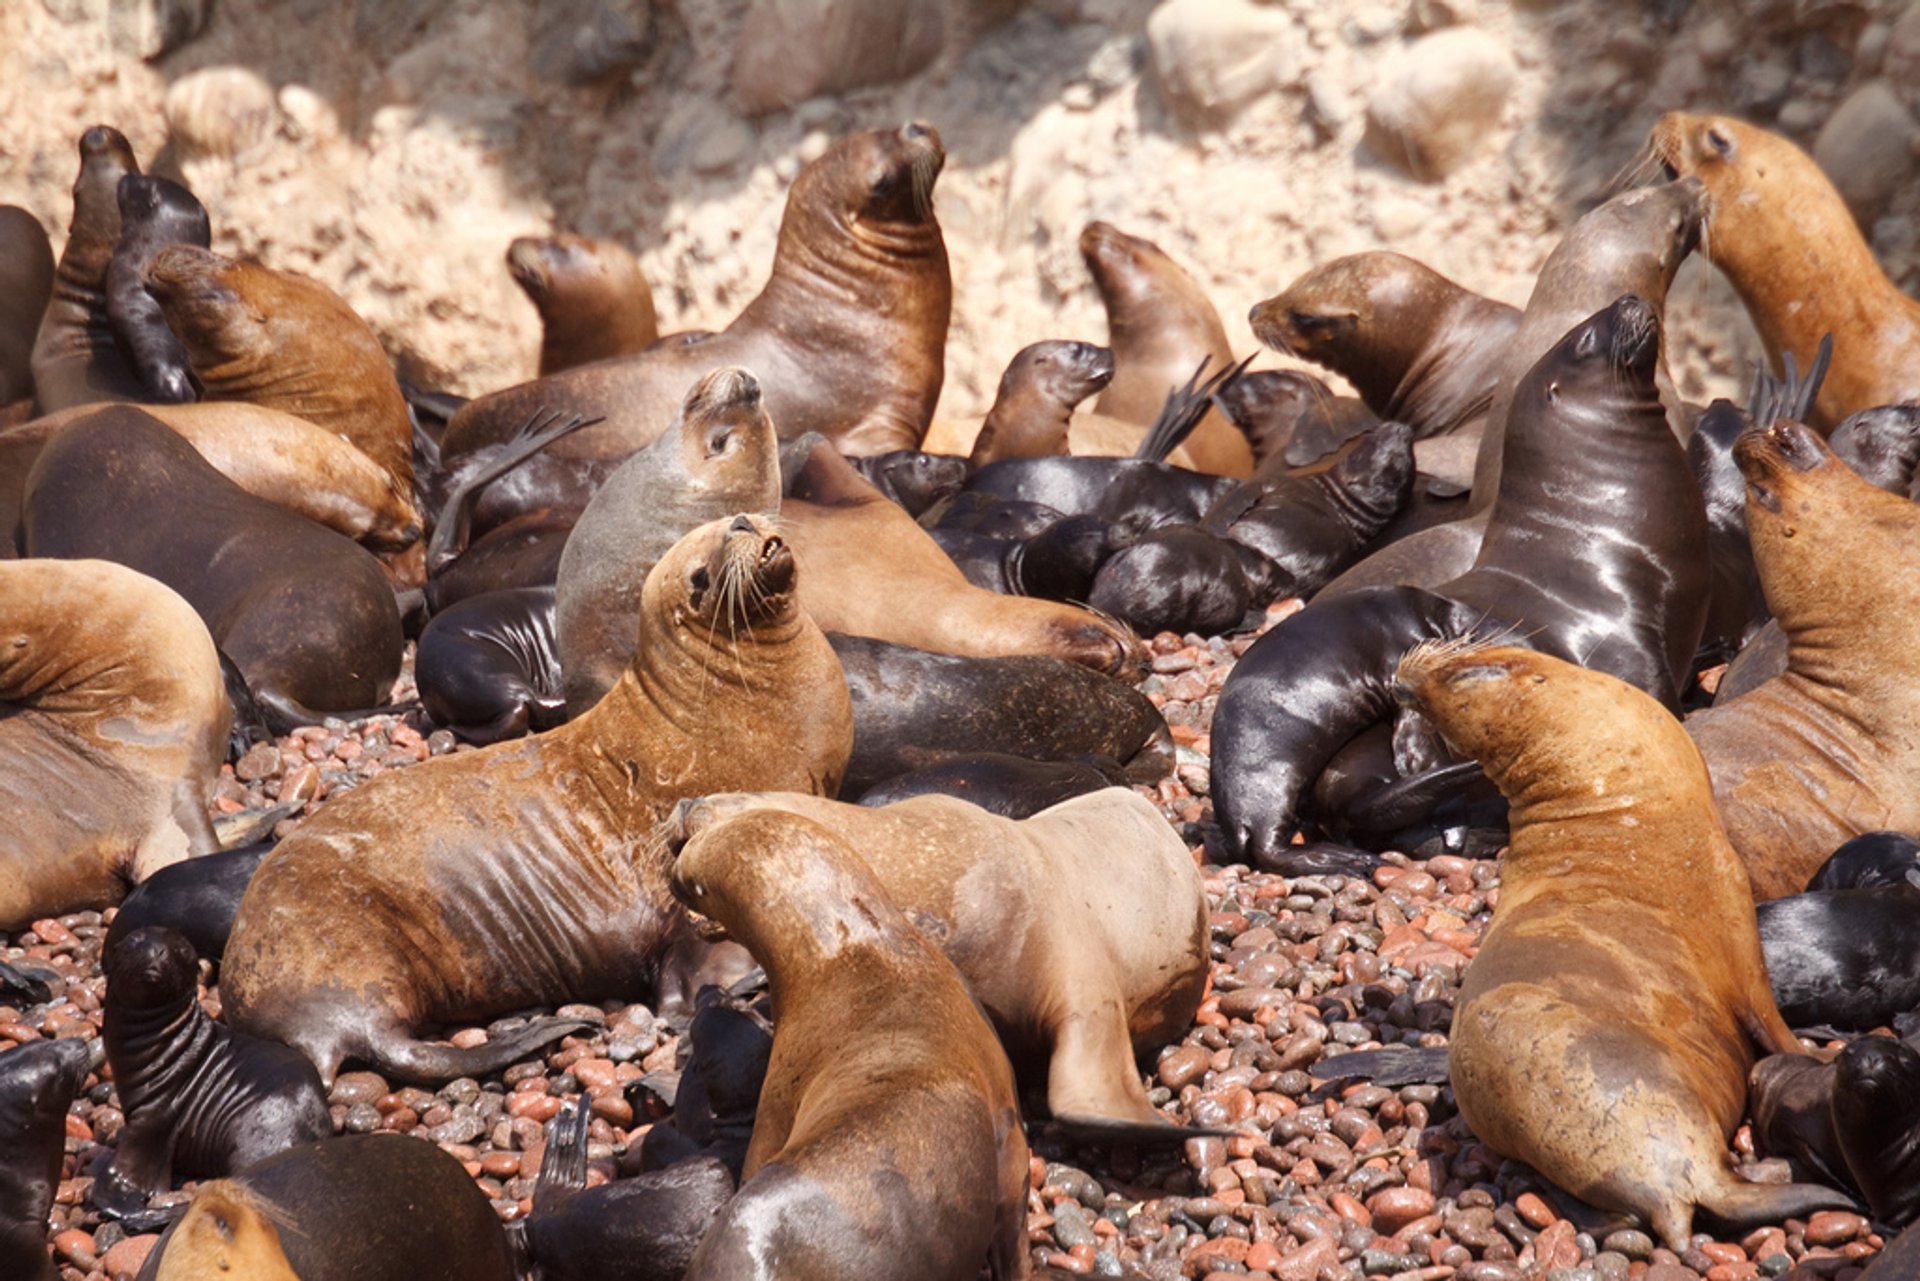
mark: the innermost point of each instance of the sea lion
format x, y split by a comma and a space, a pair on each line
306, 614
1175, 578
1873, 861
849, 335
154, 213
1160, 325
866, 559
863, 1148
1595, 551
200, 1101
1737, 608
1844, 958
722, 456
1795, 255
1292, 416
1822, 752
1129, 493
1033, 409
38, 1082
286, 341
195, 898
723, 1066
361, 1207
913, 478
732, 685
1056, 562
26, 283
1420, 349
1883, 445
1850, 1121
488, 668
1605, 1028
1076, 1000
594, 301
75, 356
115, 706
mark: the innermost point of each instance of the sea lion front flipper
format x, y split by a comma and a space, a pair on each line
20, 983
1092, 1083
563, 1167
1393, 1068
1742, 1206
406, 1058
140, 1167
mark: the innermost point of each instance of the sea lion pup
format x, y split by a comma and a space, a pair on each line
38, 1082
200, 1101
406, 902
1824, 751
154, 213
849, 333
487, 667
1292, 416
1883, 445
1795, 255
1176, 578
872, 571
1420, 349
116, 726
75, 356
594, 301
722, 456
26, 283
361, 1207
1075, 998
286, 341
1010, 786
865, 1148
1604, 1030
913, 478
1844, 958
307, 616
1160, 325
1852, 1121
1033, 409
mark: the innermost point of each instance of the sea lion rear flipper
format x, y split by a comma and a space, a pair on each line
20, 983
450, 527
563, 1168
1392, 1068
405, 1058
1741, 1205
1184, 408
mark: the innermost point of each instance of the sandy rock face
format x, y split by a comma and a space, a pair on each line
1438, 99
1866, 147
1212, 57
792, 50
221, 112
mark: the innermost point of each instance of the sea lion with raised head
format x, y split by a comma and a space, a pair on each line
594, 301
731, 686
76, 358
154, 213
1032, 412
26, 283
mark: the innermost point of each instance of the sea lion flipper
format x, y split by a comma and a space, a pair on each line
404, 1058
1091, 1079
1743, 1205
563, 1168
535, 434
1395, 1067
20, 983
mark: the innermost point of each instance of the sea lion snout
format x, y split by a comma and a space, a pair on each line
151, 966
731, 387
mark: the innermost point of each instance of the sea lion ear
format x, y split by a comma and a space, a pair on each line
1721, 141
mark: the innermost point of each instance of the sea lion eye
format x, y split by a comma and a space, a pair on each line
1720, 143
697, 584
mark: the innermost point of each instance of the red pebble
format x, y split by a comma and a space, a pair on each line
129, 1254
73, 1243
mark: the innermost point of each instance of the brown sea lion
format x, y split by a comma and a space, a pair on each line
1605, 1028
285, 341
116, 727
732, 686
361, 1207
1420, 349
306, 615
848, 336
594, 301
75, 356
1824, 751
721, 457
872, 571
26, 283
1161, 327
1795, 255
1033, 408
866, 1149
1076, 996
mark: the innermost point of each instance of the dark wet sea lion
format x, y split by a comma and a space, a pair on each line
153, 213
863, 1147
1795, 255
848, 336
1420, 349
1127, 492
201, 1101
524, 552
196, 898
913, 478
1821, 753
1883, 445
1609, 572
26, 283
488, 668
1871, 861
286, 341
361, 1207
1737, 609
1844, 958
1293, 416
1876, 1117
732, 685
721, 457
726, 1047
75, 356
38, 1082
1075, 1002
116, 722
306, 614
1010, 786
594, 301
1160, 325
1033, 408
1604, 1031
1173, 578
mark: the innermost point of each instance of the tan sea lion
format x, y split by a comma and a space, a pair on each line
722, 457
76, 358
888, 1127
848, 336
116, 727
529, 872
1161, 326
1795, 255
1826, 750
594, 300
872, 571
1077, 995
26, 283
1605, 1028
285, 341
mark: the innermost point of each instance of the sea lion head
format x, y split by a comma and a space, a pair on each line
150, 968
914, 478
225, 1232
167, 207
883, 178
1746, 173
723, 579
1877, 1076
1064, 372
1131, 273
105, 158
725, 435
1622, 338
1339, 311
544, 266
201, 293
